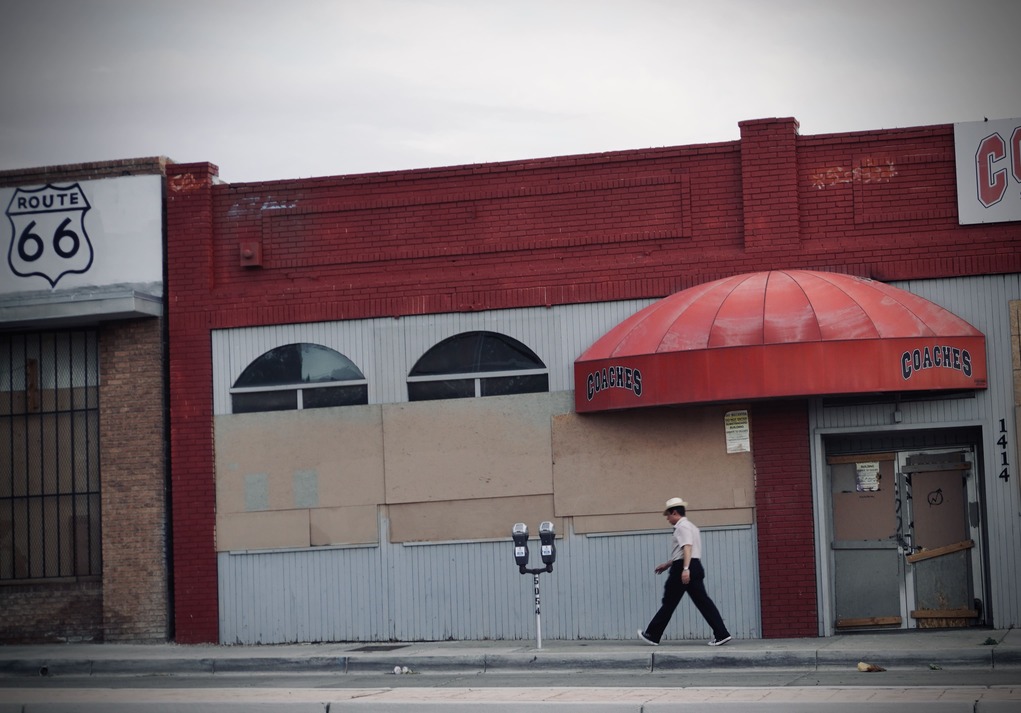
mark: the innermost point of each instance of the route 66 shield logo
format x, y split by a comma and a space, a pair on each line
49, 237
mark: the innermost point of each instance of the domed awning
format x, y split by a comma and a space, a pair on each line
779, 334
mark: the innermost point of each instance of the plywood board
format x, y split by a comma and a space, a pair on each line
262, 530
482, 519
313, 458
867, 514
343, 526
631, 462
463, 449
594, 524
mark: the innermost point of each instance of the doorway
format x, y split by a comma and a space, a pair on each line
905, 541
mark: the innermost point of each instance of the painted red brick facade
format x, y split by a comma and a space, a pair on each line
576, 229
193, 493
784, 518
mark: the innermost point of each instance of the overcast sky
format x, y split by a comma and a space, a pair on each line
273, 89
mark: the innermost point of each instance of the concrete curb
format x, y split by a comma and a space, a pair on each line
735, 660
524, 662
1005, 658
948, 658
283, 664
417, 664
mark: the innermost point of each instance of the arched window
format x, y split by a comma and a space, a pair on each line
477, 364
299, 376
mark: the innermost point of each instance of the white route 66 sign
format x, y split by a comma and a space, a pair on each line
48, 237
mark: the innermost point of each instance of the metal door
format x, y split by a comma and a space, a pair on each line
869, 572
941, 538
905, 540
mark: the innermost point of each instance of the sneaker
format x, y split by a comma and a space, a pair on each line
721, 642
646, 639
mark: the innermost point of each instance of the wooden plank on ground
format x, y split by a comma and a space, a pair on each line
869, 621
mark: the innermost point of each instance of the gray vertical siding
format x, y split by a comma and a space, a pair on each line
386, 349
602, 587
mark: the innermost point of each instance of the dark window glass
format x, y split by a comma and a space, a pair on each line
320, 364
274, 368
474, 352
446, 389
298, 364
264, 401
455, 355
497, 353
503, 385
335, 396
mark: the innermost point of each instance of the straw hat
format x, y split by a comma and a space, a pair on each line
675, 503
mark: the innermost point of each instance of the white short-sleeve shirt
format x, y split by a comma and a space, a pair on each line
686, 533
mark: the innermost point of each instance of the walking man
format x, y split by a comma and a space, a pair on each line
686, 575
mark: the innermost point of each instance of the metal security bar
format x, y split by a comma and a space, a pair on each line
49, 455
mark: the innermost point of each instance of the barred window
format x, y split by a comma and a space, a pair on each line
49, 455
299, 376
476, 364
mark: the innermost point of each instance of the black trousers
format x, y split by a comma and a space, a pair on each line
674, 590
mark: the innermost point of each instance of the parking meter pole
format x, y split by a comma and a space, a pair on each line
538, 616
519, 533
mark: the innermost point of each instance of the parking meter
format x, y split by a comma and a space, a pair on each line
520, 534
548, 551
548, 547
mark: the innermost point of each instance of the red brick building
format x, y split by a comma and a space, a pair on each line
596, 229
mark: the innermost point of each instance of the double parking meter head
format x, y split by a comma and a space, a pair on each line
520, 534
548, 548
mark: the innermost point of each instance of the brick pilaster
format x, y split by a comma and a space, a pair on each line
785, 519
769, 184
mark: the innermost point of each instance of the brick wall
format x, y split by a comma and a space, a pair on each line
193, 487
784, 515
135, 594
52, 612
621, 225
128, 601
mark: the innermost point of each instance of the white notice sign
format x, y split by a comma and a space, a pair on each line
867, 477
738, 436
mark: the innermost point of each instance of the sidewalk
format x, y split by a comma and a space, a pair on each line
951, 649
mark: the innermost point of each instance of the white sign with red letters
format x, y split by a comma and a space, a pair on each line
988, 171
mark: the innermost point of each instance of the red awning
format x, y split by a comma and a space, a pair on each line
778, 334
